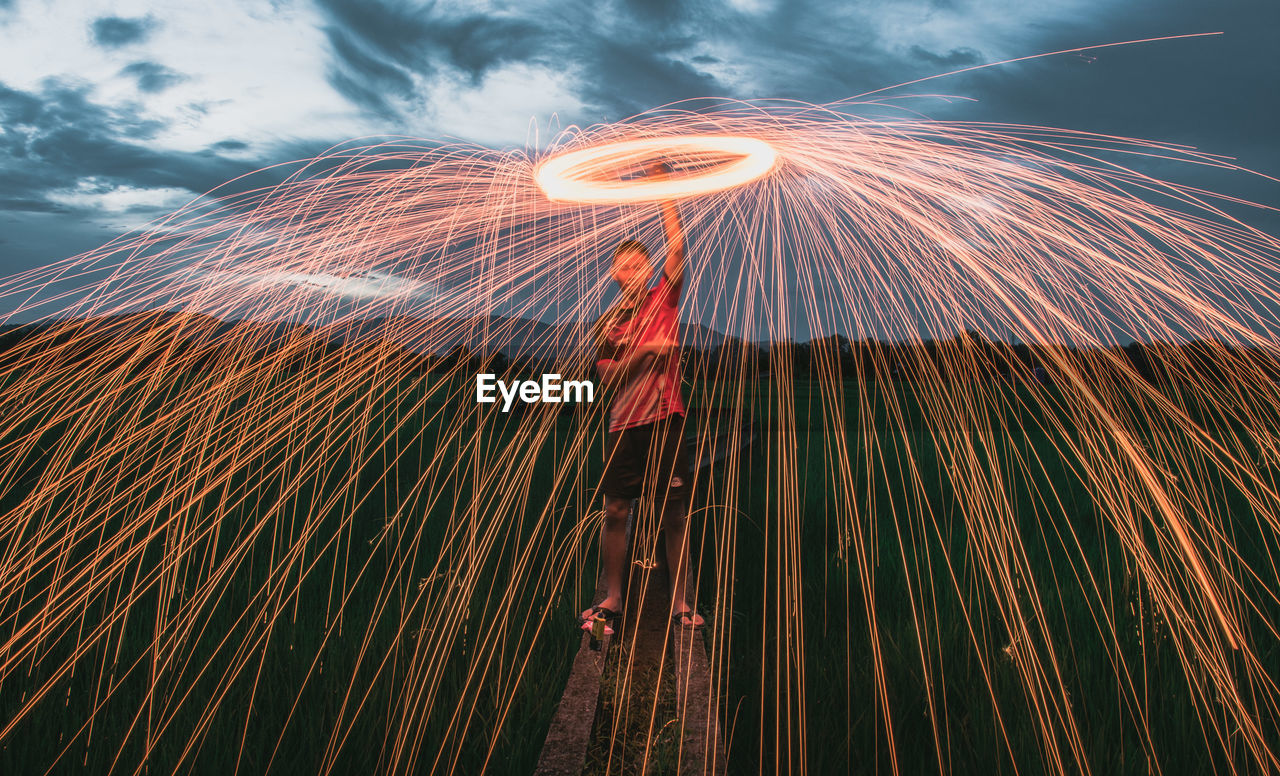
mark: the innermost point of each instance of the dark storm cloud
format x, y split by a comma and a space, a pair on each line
658, 52
58, 140
658, 10
621, 64
648, 57
628, 78
30, 206
1218, 93
19, 107
957, 57
418, 39
396, 30
58, 136
378, 46
474, 44
360, 93
117, 31
363, 78
153, 77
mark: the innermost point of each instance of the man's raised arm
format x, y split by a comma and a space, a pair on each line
674, 267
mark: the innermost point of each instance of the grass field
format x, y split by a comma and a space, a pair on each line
395, 605
949, 659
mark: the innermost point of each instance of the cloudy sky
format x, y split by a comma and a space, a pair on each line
112, 113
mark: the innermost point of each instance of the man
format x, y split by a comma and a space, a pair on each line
639, 357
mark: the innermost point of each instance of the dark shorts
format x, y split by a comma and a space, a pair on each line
648, 461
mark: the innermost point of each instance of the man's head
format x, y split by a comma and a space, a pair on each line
631, 267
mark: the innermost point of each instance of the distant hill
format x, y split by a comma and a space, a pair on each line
189, 342
513, 337
205, 340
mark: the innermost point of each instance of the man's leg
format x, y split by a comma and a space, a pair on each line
613, 550
675, 524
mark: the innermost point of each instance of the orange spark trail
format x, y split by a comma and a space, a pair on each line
995, 423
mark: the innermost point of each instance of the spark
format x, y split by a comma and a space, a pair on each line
207, 501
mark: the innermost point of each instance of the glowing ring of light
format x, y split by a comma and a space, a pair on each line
567, 177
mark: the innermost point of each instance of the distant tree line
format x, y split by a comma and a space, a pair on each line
971, 356
149, 340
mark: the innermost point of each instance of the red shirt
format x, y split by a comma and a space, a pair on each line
649, 395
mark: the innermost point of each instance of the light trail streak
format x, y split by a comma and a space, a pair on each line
590, 175
238, 506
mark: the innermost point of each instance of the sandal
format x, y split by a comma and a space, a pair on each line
688, 614
605, 612
597, 623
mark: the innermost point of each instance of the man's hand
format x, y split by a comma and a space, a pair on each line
657, 350
658, 170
